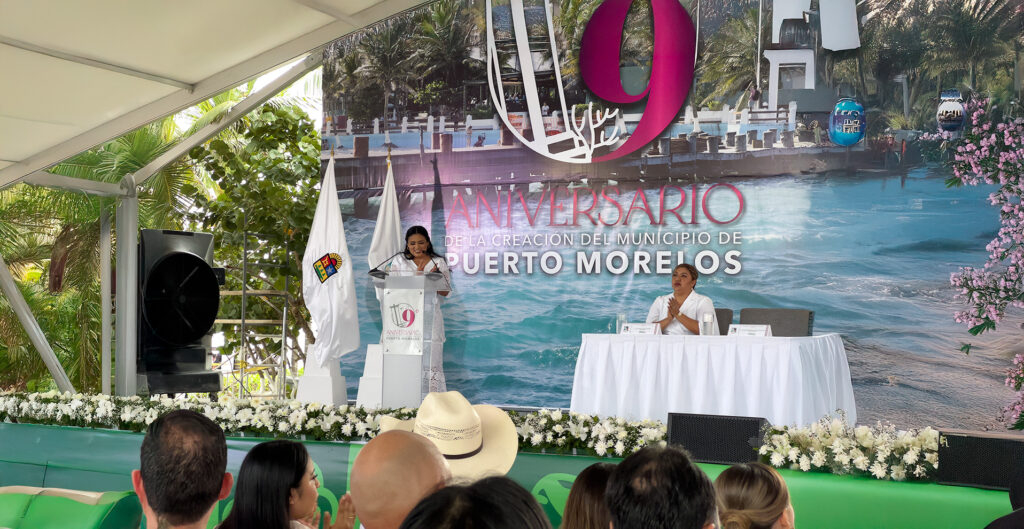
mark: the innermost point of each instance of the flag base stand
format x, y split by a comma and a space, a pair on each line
324, 384
391, 380
370, 384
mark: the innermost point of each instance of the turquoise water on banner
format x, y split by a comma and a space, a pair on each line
870, 253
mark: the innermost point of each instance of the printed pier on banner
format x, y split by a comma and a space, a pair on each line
327, 282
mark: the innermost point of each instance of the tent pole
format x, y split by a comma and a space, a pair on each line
31, 326
105, 307
126, 332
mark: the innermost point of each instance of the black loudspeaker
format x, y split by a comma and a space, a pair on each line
179, 295
717, 438
980, 459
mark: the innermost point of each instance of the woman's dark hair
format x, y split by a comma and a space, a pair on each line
585, 508
269, 472
689, 268
660, 488
750, 496
491, 503
418, 230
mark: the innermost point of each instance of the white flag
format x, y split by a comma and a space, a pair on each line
387, 234
327, 282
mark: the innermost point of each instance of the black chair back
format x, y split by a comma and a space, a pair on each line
724, 320
784, 322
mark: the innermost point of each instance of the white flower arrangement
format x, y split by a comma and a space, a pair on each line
830, 445
235, 416
826, 446
560, 432
543, 430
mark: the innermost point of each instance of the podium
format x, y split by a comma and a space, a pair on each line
394, 369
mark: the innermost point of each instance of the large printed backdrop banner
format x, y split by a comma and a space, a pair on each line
543, 249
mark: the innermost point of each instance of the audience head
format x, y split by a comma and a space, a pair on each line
585, 508
491, 503
477, 440
182, 470
753, 496
660, 488
277, 483
391, 474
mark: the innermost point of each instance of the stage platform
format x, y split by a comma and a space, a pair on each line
102, 460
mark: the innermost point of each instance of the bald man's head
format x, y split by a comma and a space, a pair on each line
391, 474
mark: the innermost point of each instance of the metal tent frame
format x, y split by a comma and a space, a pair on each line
341, 16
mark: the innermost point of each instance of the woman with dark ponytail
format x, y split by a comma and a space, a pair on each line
753, 496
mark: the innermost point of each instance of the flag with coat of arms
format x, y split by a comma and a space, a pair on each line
327, 282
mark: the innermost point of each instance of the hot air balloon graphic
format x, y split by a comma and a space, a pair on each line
847, 122
951, 112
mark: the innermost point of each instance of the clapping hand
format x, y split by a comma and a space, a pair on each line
346, 515
673, 307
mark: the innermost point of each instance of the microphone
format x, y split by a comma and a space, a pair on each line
377, 272
436, 274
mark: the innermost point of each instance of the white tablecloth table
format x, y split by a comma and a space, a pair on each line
789, 381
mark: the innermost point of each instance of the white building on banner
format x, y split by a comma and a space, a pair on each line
796, 31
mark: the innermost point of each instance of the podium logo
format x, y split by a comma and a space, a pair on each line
575, 139
403, 315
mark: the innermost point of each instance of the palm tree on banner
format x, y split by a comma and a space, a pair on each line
729, 62
970, 33
386, 52
443, 42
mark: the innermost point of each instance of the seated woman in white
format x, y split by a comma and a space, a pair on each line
682, 311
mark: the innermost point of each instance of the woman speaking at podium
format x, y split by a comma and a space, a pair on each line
683, 311
419, 256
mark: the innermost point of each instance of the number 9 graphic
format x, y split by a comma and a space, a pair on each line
408, 316
671, 66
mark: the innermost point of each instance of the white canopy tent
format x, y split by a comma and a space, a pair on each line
76, 74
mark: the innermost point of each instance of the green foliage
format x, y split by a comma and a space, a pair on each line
50, 240
268, 180
443, 41
897, 121
59, 317
482, 111
969, 35
728, 61
387, 59
429, 94
363, 104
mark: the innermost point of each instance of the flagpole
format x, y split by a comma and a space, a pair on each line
757, 62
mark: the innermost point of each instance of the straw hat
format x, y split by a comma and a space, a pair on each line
476, 441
